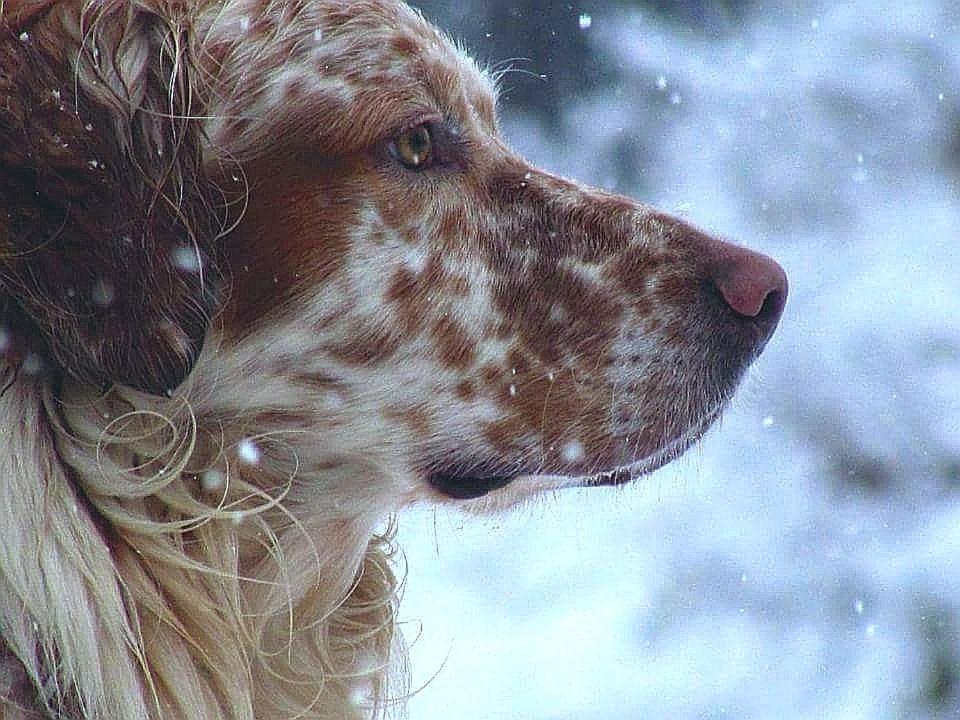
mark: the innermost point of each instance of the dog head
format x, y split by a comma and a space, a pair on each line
296, 225
399, 279
447, 311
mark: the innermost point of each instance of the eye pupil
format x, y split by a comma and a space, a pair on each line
414, 147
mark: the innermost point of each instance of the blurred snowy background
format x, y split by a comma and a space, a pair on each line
804, 561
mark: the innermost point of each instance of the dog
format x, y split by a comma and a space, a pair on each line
269, 274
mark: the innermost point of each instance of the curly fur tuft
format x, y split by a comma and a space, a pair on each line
149, 576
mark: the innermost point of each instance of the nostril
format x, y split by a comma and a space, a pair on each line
752, 285
772, 306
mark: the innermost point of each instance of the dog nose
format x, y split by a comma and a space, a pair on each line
753, 285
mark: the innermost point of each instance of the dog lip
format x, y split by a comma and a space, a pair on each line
625, 474
628, 473
470, 486
467, 487
610, 478
470, 481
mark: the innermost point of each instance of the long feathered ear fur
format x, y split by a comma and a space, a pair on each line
107, 267
107, 275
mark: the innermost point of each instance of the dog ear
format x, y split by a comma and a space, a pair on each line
107, 229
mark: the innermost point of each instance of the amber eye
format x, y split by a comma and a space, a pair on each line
414, 147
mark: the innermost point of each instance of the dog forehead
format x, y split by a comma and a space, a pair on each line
389, 46
374, 61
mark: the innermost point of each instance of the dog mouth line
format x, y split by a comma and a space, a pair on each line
624, 474
475, 484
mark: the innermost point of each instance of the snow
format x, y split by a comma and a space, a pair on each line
32, 364
572, 451
186, 259
212, 481
804, 560
248, 452
103, 293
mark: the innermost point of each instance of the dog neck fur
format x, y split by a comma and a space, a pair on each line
210, 596
63, 613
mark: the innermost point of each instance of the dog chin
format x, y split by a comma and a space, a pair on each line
616, 476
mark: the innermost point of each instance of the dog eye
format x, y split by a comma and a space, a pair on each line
414, 147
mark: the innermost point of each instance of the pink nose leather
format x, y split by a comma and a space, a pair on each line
753, 285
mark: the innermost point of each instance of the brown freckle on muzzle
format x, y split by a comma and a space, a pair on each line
452, 225
457, 349
637, 265
418, 418
403, 292
459, 286
365, 347
466, 390
504, 435
491, 375
318, 382
402, 286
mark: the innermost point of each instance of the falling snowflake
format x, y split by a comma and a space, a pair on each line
32, 364
103, 293
248, 452
573, 451
186, 259
212, 481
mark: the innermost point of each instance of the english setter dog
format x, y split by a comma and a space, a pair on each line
268, 275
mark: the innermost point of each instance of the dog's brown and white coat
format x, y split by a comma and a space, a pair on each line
268, 274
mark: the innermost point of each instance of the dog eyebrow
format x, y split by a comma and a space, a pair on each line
446, 84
